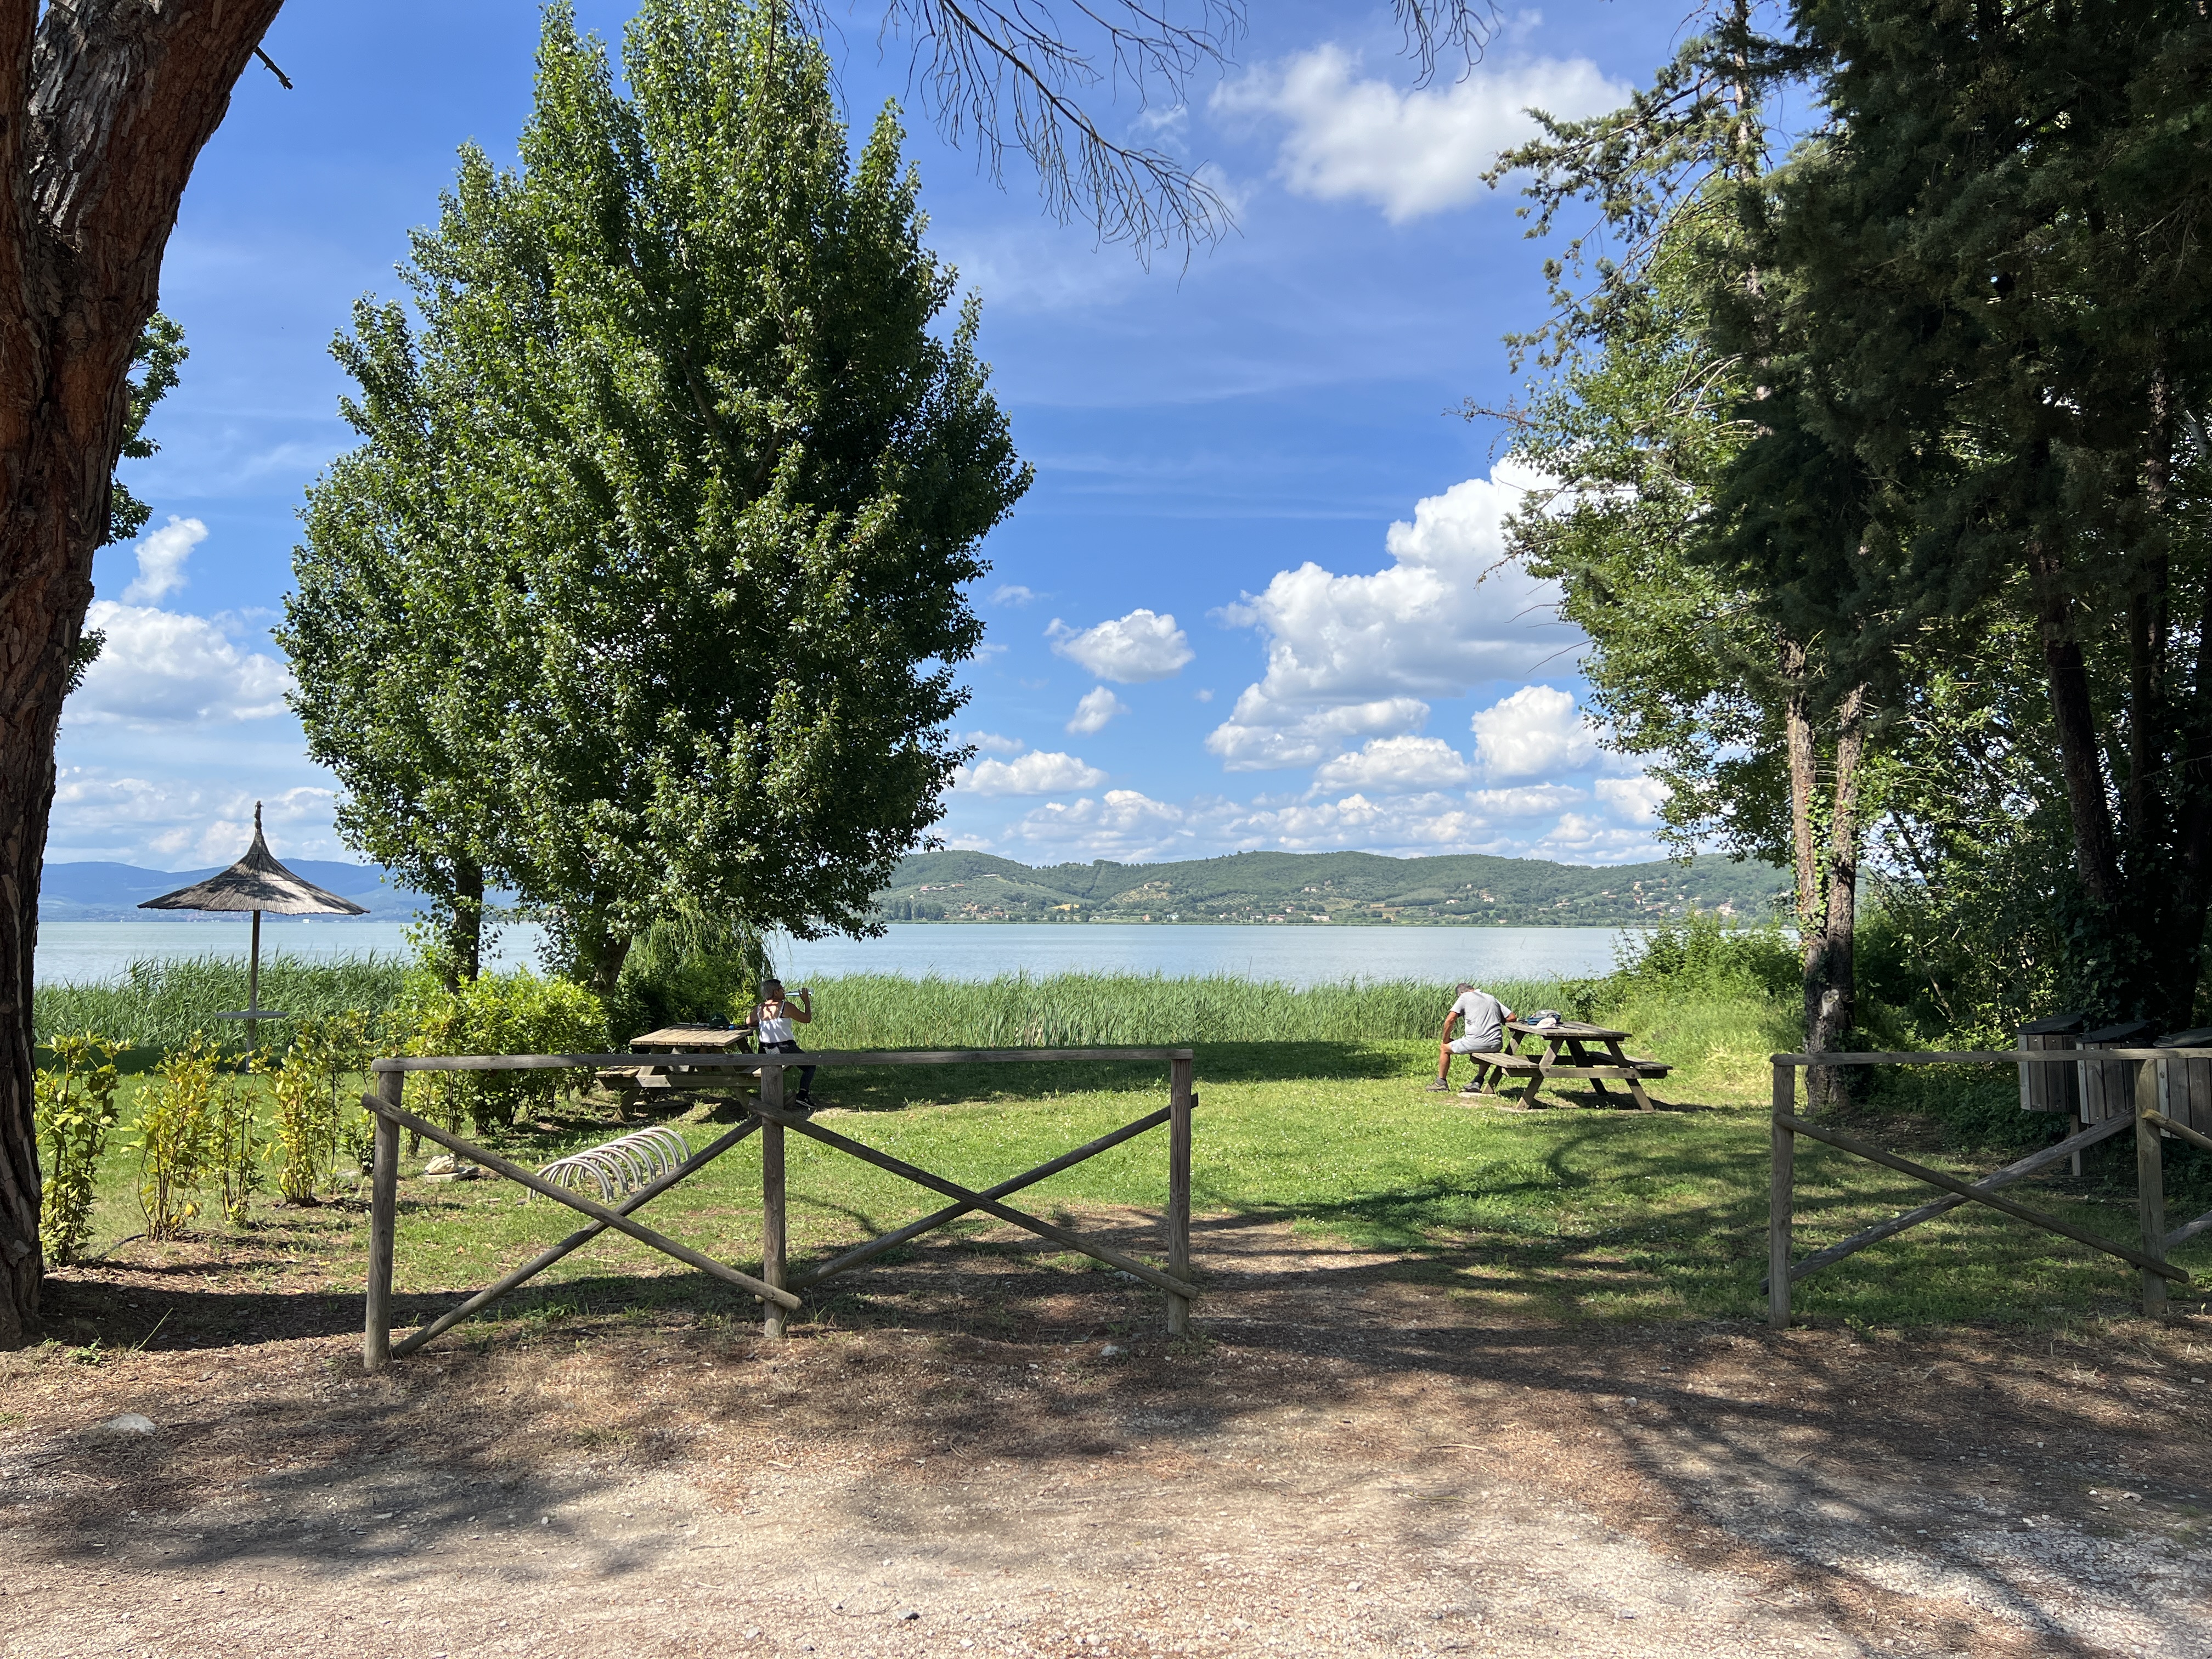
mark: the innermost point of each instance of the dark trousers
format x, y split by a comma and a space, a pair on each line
806, 1072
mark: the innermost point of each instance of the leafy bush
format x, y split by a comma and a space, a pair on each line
308, 1086
234, 1146
516, 1013
75, 1108
1702, 952
176, 1131
684, 971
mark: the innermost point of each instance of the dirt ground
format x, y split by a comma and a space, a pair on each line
983, 1448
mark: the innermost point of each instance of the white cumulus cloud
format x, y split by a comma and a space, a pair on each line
1411, 151
991, 743
1395, 766
161, 668
1014, 593
1537, 730
173, 824
1525, 801
1093, 709
1123, 823
1632, 800
1129, 651
1353, 656
1041, 772
161, 558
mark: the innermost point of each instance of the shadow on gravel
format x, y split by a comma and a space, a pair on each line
1804, 1453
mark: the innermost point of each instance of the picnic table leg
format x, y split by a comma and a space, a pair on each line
772, 1197
1536, 1078
1635, 1082
1581, 1058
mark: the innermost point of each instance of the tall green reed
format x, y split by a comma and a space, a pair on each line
161, 1002
882, 1011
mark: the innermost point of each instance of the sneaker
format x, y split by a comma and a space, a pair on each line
1438, 1087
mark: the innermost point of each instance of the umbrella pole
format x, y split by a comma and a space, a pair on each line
254, 991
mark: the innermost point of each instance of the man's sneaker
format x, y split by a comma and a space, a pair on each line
1438, 1087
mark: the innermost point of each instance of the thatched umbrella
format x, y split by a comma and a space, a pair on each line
256, 883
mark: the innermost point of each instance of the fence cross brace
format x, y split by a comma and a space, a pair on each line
773, 1286
400, 1118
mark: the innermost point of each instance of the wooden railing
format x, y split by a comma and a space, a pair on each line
773, 1286
2147, 1256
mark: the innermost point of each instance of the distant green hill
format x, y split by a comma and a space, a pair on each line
1334, 887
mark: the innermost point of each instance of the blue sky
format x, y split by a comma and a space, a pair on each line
1251, 600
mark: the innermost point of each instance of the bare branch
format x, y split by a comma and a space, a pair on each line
1017, 73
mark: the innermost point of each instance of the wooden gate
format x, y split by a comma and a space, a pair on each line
2150, 1125
773, 1286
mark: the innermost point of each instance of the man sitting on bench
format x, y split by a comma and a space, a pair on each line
1481, 1019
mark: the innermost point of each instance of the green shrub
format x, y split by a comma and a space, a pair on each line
682, 972
75, 1106
516, 1013
176, 1131
234, 1146
1703, 952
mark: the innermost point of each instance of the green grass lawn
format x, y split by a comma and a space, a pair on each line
1572, 1213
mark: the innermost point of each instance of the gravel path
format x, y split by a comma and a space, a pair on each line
1344, 1463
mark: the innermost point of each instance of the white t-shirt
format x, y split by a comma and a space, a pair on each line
1485, 1016
775, 1028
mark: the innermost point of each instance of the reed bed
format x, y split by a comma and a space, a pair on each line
160, 1002
1020, 1010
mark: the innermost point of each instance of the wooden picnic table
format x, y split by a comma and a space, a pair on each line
681, 1040
1563, 1049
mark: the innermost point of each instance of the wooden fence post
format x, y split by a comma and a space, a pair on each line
1780, 1196
383, 1223
1181, 1099
772, 1197
2150, 1188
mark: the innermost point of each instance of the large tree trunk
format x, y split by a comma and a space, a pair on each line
104, 107
1832, 976
464, 926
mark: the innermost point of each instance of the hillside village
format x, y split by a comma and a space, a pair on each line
1357, 889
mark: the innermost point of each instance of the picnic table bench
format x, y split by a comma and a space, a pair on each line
635, 1083
1563, 1049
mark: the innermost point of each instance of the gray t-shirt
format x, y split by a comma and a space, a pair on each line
1485, 1015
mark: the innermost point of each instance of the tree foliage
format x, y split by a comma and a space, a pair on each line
679, 458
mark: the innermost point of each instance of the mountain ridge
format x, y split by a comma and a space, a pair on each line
1359, 888
1354, 888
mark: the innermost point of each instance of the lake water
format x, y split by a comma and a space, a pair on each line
1306, 955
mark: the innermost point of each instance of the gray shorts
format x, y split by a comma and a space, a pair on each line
1476, 1045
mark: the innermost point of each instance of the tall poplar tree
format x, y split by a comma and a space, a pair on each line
679, 452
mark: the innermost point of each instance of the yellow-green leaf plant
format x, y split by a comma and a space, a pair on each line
176, 1132
236, 1146
74, 1102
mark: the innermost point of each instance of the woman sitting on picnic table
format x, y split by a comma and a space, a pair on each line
774, 1016
1482, 1031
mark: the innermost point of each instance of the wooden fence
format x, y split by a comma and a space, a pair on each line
773, 1286
2151, 1125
